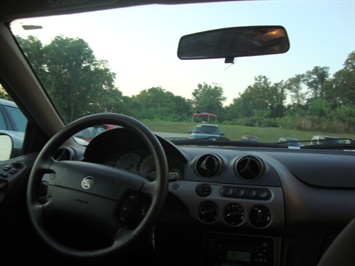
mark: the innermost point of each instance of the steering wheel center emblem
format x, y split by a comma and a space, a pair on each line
88, 182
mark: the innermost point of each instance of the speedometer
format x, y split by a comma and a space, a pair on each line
128, 161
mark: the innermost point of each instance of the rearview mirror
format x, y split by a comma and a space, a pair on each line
230, 43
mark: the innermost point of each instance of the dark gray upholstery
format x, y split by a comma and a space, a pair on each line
342, 251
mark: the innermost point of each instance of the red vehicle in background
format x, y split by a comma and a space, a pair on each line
91, 132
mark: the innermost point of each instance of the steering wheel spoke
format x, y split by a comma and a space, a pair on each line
43, 167
149, 188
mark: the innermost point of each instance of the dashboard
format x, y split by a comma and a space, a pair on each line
246, 203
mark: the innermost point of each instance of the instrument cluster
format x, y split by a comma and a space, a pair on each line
143, 162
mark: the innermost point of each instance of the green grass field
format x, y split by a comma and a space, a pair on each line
233, 132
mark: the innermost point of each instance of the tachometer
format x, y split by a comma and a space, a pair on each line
147, 165
128, 161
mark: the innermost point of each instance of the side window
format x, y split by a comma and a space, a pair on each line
18, 118
2, 120
13, 121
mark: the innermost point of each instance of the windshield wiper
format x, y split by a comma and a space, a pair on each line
200, 141
331, 146
347, 144
223, 141
335, 143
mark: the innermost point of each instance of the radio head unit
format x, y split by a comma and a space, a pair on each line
225, 249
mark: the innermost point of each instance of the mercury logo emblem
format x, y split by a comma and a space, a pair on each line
88, 182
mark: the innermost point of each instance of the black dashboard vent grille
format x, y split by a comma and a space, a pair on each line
249, 167
208, 165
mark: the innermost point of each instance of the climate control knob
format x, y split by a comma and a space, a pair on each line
233, 214
260, 216
208, 212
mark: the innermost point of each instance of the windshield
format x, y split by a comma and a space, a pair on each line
125, 61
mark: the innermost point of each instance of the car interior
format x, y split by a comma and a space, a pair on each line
209, 203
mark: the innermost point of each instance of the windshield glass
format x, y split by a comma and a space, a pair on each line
125, 61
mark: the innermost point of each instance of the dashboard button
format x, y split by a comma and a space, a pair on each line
203, 190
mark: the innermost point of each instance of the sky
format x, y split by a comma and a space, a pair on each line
140, 44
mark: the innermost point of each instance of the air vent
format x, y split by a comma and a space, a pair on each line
63, 154
249, 167
208, 165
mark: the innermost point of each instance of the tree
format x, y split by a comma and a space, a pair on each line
315, 80
296, 91
277, 97
208, 98
148, 107
318, 108
71, 75
33, 48
157, 103
183, 108
242, 106
341, 88
3, 94
345, 114
262, 96
111, 100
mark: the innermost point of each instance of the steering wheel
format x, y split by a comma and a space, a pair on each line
93, 197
